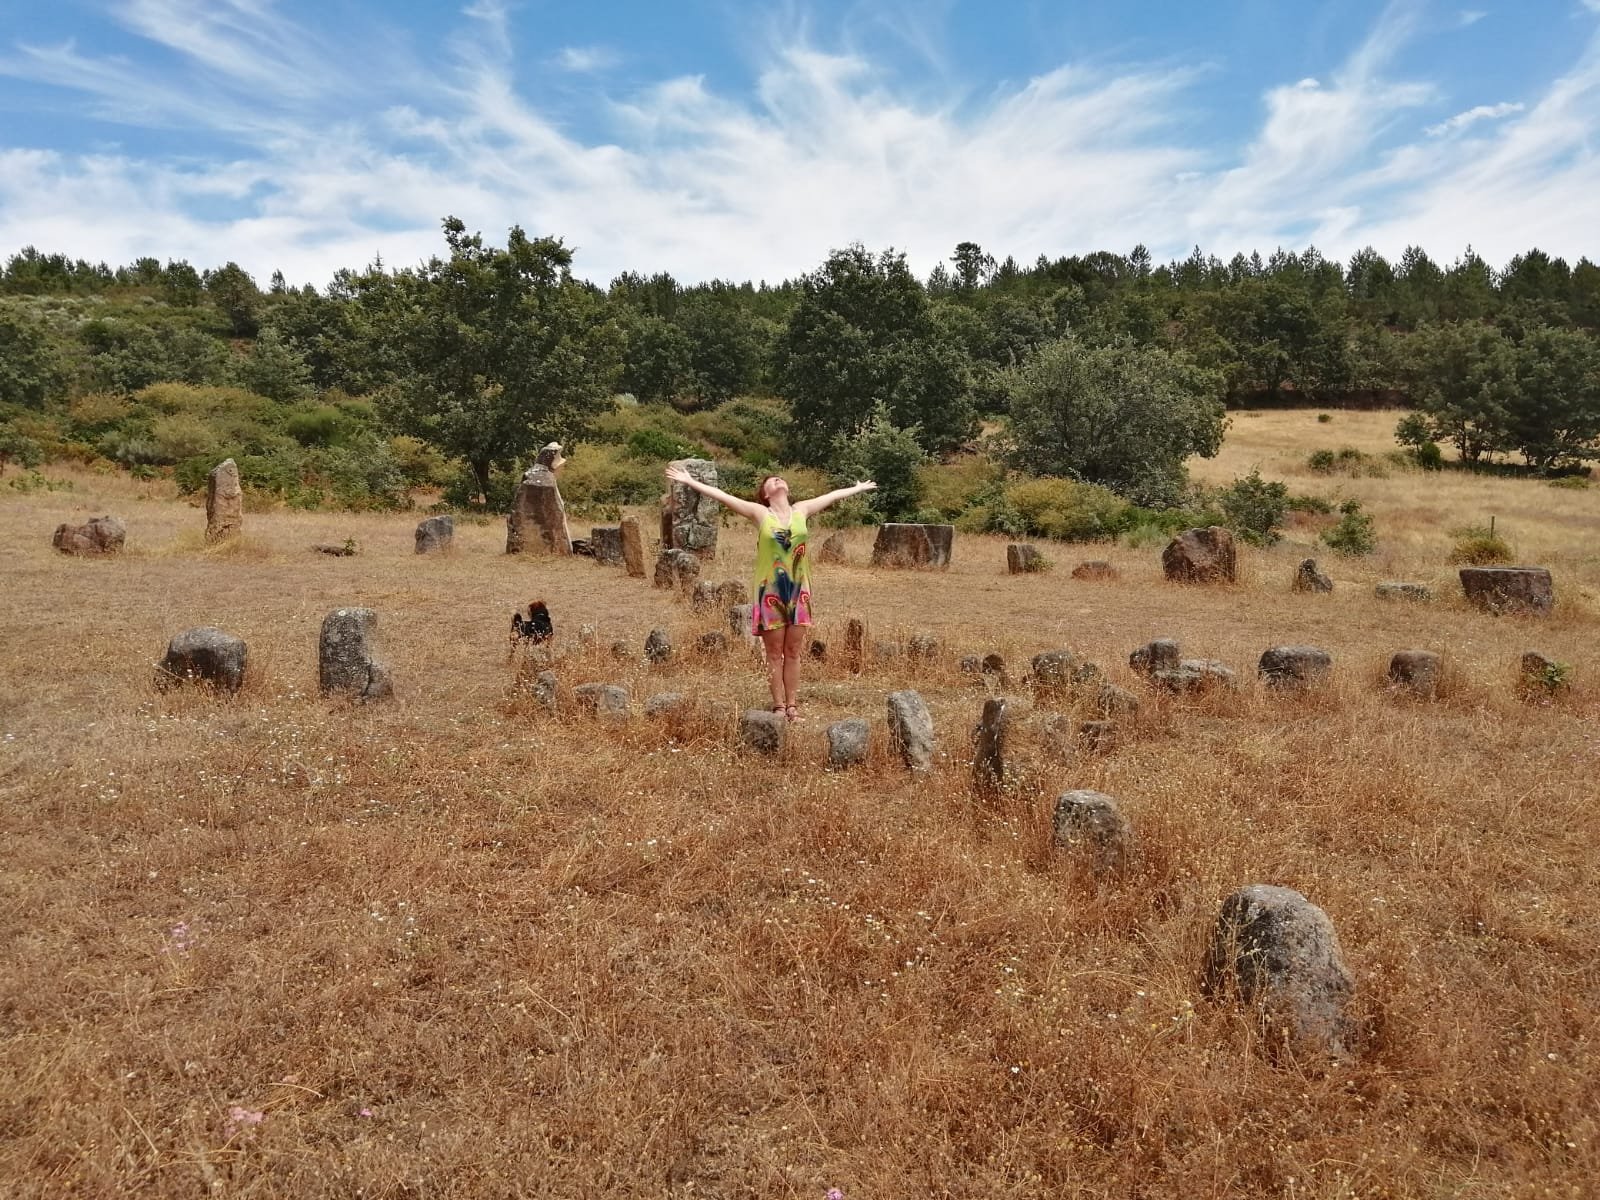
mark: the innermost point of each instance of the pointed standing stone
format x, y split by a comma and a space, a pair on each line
224, 502
911, 730
989, 757
855, 645
538, 517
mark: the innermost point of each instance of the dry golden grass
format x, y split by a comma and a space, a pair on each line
450, 946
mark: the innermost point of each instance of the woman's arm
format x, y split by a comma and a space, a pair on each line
748, 509
817, 503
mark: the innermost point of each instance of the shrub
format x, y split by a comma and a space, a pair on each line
1254, 508
420, 463
1324, 418
1575, 483
1354, 534
182, 435
888, 455
1305, 503
601, 474
17, 447
1347, 460
315, 425
1064, 509
1479, 546
1428, 456
659, 446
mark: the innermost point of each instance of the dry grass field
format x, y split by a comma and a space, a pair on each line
453, 946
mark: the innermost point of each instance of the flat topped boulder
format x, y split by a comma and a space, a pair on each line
1417, 672
906, 545
204, 655
1095, 570
1201, 556
96, 536
1509, 589
1395, 589
1295, 668
689, 520
224, 501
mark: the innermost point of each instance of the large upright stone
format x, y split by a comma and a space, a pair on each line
989, 752
224, 501
689, 520
435, 534
204, 655
538, 517
1024, 557
1201, 556
848, 742
911, 730
346, 662
1278, 952
1509, 589
633, 547
832, 550
1417, 672
905, 545
96, 536
1092, 823
658, 647
605, 542
1308, 578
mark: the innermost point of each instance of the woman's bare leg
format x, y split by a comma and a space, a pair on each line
794, 640
772, 640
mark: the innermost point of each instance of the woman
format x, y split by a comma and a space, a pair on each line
782, 583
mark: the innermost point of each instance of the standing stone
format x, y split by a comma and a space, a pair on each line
677, 569
224, 502
855, 645
1417, 672
204, 655
1113, 701
712, 644
544, 690
733, 591
989, 757
762, 731
1307, 578
435, 534
1055, 672
704, 595
609, 700
848, 742
658, 647
690, 520
538, 517
605, 543
1295, 668
633, 547
665, 704
1201, 556
1392, 590
923, 646
1278, 952
832, 550
904, 545
1094, 822
994, 665
345, 662
741, 620
621, 651
1539, 675
96, 536
911, 730
1162, 654
1022, 558
1509, 589
1095, 571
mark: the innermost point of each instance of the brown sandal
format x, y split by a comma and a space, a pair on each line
792, 712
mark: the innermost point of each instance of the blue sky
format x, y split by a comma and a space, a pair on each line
735, 140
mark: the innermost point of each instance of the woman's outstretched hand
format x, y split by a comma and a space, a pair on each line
866, 485
679, 475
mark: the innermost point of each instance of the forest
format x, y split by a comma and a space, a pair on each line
1063, 397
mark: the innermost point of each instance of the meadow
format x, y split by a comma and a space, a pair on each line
453, 945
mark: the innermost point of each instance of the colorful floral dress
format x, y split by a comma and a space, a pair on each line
782, 583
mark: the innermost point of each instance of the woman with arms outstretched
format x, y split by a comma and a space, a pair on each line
782, 583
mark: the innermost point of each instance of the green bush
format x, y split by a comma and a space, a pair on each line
1324, 418
1354, 534
1305, 503
1428, 456
1575, 483
315, 425
1254, 508
1479, 546
601, 474
890, 457
659, 446
17, 447
1063, 509
178, 436
420, 462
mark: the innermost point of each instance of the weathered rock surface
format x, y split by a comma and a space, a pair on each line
1114, 701
1194, 675
1416, 672
677, 569
435, 534
95, 537
1023, 558
1095, 571
1308, 578
665, 704
1201, 556
605, 544
690, 521
1162, 654
1396, 590
1055, 673
855, 645
832, 550
740, 619
544, 690
712, 643
848, 742
911, 730
205, 655
923, 647
1099, 736
633, 547
1093, 824
1540, 676
538, 517
762, 731
906, 545
1295, 668
989, 751
1509, 589
224, 501
658, 647
1276, 951
346, 656
609, 700
993, 665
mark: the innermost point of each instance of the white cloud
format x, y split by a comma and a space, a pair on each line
826, 150
1483, 112
1470, 16
583, 59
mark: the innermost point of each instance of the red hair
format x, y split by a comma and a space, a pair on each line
761, 488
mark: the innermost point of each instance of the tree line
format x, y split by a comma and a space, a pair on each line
1103, 368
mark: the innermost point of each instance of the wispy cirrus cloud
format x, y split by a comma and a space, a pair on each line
583, 59
825, 147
